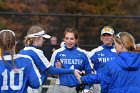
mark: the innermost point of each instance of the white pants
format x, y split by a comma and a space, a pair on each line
31, 90
63, 89
96, 88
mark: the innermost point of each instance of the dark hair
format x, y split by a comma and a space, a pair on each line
7, 44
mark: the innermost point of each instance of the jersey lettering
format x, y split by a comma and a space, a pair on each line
105, 59
11, 79
71, 61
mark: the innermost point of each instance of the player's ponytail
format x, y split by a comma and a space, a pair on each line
126, 39
7, 44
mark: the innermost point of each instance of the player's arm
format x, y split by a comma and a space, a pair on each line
55, 62
88, 69
54, 70
90, 79
104, 78
39, 59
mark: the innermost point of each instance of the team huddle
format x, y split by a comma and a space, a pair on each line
115, 63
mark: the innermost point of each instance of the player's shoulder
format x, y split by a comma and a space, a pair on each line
25, 59
95, 50
32, 49
59, 49
18, 58
22, 56
81, 50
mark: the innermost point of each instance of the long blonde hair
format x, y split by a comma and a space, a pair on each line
7, 44
126, 39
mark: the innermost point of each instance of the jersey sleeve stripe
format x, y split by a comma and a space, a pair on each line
41, 56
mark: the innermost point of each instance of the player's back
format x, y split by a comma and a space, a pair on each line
17, 80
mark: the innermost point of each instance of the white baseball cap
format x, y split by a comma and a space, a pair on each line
108, 30
39, 34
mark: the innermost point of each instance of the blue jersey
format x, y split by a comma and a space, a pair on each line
38, 57
74, 58
120, 75
42, 62
99, 56
26, 74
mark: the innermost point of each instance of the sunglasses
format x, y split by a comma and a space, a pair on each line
118, 35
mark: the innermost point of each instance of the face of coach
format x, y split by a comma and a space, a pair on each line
107, 35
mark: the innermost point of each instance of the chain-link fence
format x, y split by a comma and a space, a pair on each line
89, 26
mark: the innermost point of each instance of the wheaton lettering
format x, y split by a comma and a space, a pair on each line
105, 59
71, 61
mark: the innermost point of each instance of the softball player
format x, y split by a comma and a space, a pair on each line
70, 57
17, 72
120, 75
33, 41
104, 53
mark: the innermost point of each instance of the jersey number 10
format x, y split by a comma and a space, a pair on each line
12, 79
